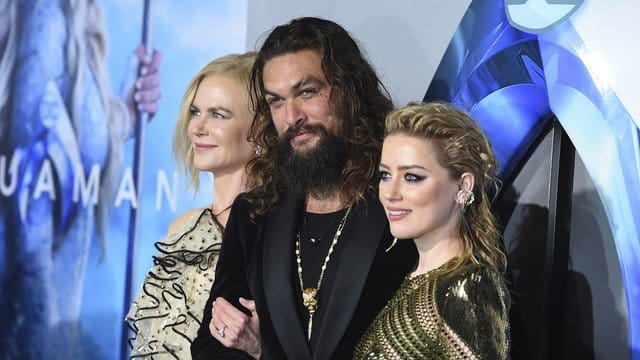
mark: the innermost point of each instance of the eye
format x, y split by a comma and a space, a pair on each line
218, 115
413, 177
308, 93
194, 111
273, 101
383, 175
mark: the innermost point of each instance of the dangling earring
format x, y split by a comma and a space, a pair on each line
464, 198
395, 240
258, 150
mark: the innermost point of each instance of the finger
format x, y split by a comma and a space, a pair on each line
145, 97
156, 59
234, 314
237, 322
141, 53
249, 304
150, 108
148, 81
216, 335
216, 321
227, 314
153, 59
254, 321
216, 324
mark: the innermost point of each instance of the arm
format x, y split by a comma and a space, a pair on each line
230, 283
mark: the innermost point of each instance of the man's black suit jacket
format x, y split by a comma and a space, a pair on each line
256, 262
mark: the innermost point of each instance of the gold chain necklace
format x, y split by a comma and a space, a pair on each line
310, 295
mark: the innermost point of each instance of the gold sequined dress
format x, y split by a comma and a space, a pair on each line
166, 315
459, 315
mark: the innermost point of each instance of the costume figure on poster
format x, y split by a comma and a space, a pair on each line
210, 136
63, 131
436, 170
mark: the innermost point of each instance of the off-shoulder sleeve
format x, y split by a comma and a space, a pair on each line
474, 305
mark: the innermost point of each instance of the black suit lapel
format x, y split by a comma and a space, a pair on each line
279, 243
364, 229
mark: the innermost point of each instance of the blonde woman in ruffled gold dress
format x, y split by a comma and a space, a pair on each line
211, 136
435, 172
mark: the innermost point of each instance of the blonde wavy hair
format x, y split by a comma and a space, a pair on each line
461, 146
236, 66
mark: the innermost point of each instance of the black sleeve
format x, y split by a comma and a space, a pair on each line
230, 283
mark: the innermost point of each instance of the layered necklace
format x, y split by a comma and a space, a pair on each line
310, 295
314, 240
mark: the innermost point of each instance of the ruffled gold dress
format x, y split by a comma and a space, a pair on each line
166, 315
458, 315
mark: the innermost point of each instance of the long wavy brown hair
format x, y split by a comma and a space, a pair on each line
460, 146
358, 99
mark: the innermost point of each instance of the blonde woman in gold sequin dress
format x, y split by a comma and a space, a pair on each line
211, 136
435, 171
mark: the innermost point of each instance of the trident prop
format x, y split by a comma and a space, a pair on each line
138, 157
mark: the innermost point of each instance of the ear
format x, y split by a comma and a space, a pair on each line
464, 196
467, 181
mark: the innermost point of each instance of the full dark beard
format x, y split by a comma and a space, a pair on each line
315, 171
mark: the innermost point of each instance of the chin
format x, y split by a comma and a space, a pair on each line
401, 233
205, 166
305, 145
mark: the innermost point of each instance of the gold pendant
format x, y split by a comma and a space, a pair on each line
311, 303
309, 299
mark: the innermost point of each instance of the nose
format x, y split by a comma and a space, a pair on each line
197, 124
294, 114
391, 190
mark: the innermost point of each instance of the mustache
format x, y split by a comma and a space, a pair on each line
293, 131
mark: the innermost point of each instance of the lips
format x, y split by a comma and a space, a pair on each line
301, 136
203, 147
397, 214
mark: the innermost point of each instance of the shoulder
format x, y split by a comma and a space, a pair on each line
474, 304
183, 219
242, 204
242, 211
473, 285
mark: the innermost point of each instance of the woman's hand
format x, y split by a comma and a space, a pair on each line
233, 328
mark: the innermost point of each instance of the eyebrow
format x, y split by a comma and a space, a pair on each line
219, 108
214, 109
405, 167
305, 80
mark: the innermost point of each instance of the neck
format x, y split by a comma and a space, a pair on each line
433, 252
226, 188
324, 204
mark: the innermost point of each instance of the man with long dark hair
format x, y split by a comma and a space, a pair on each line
309, 243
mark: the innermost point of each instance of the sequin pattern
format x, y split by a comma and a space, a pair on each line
459, 315
167, 313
